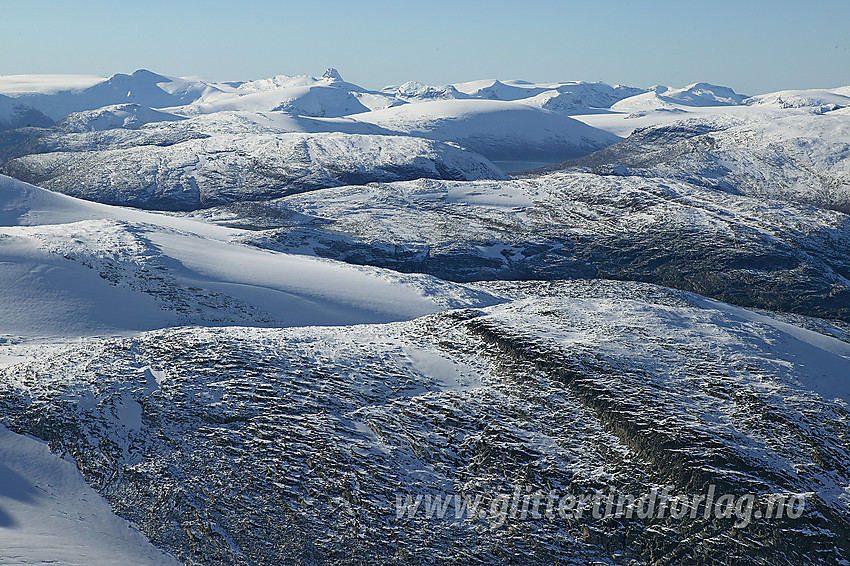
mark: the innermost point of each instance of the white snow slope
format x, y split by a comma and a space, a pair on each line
73, 268
49, 515
493, 128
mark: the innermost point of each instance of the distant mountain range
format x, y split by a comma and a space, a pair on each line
168, 143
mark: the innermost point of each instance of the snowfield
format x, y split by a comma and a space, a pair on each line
50, 515
74, 268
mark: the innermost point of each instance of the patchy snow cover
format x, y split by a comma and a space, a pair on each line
745, 250
49, 515
225, 157
292, 444
233, 440
788, 154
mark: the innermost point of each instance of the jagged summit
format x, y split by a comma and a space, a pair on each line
332, 75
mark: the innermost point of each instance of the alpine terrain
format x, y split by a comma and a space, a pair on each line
297, 321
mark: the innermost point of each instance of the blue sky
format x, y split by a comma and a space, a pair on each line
753, 46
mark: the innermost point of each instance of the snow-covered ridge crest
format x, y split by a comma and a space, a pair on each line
141, 87
129, 116
819, 100
14, 114
695, 95
69, 264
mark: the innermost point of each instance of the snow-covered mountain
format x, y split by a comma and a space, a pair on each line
358, 313
561, 226
505, 120
581, 95
818, 100
495, 129
666, 98
76, 268
129, 116
257, 446
142, 87
326, 96
416, 91
663, 105
16, 115
190, 164
794, 154
199, 163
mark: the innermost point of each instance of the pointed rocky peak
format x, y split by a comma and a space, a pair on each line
332, 75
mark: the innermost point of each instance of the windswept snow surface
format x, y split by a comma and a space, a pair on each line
243, 404
50, 515
74, 268
292, 445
